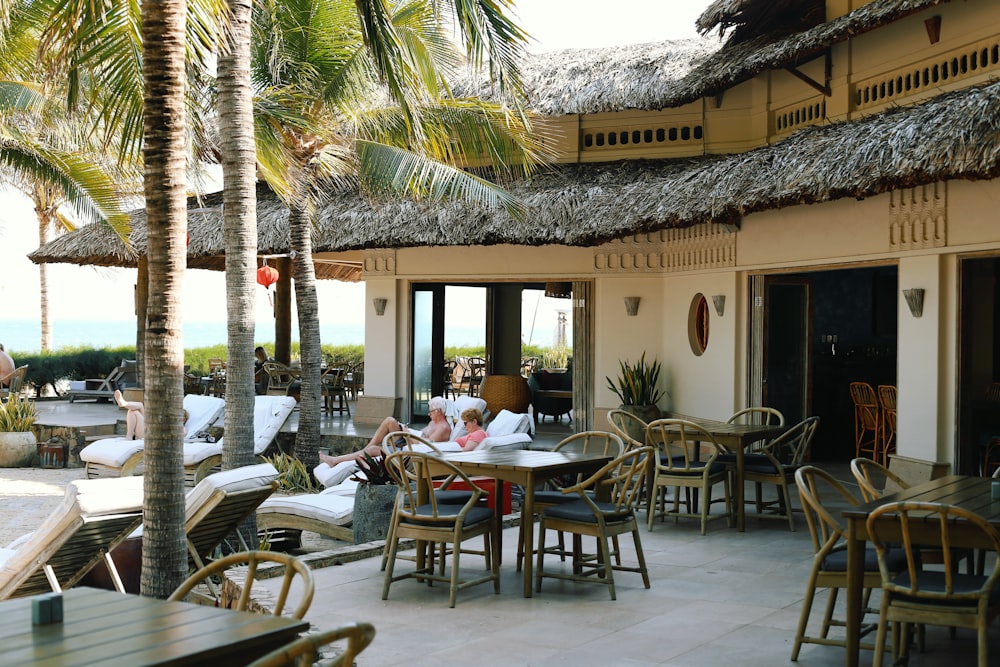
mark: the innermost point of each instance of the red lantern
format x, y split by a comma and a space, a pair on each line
267, 276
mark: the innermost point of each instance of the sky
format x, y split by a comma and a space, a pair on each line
87, 293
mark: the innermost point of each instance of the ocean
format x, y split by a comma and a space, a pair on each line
24, 335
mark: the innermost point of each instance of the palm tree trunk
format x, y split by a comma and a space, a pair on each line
164, 560
239, 228
283, 311
44, 214
310, 352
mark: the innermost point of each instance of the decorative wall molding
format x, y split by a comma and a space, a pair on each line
918, 217
707, 246
379, 262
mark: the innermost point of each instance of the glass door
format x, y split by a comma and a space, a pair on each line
427, 348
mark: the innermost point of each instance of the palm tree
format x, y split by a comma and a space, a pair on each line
355, 94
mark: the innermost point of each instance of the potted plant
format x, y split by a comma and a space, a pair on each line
18, 445
637, 388
374, 500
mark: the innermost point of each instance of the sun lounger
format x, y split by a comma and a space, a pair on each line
328, 513
119, 457
212, 511
94, 517
121, 377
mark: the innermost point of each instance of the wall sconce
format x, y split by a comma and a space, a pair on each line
719, 301
631, 306
915, 300
379, 303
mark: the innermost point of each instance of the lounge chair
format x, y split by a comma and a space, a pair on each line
119, 457
328, 513
102, 389
212, 511
94, 517
15, 383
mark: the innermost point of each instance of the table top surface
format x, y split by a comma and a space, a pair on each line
524, 458
726, 433
105, 627
970, 493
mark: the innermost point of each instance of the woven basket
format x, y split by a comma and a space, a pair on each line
508, 392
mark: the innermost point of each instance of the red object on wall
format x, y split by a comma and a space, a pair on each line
267, 275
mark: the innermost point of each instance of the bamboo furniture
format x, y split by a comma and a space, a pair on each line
305, 651
887, 420
776, 463
867, 422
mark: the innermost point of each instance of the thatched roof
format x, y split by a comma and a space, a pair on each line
953, 136
674, 73
97, 245
744, 20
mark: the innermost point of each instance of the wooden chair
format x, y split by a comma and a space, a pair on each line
757, 415
625, 478
251, 559
917, 595
819, 491
867, 422
477, 371
585, 442
628, 427
448, 377
677, 445
354, 381
436, 522
216, 377
334, 390
15, 383
279, 378
887, 403
776, 463
305, 651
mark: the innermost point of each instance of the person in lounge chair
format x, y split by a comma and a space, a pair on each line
135, 420
473, 419
6, 367
438, 430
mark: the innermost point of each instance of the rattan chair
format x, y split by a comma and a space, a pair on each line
585, 442
15, 383
334, 391
279, 378
436, 522
251, 559
887, 403
919, 596
867, 421
624, 477
305, 651
819, 491
677, 445
776, 463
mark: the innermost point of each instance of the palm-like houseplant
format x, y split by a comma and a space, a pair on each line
637, 387
18, 445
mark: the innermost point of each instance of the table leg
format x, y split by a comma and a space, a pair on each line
528, 528
498, 491
738, 491
856, 536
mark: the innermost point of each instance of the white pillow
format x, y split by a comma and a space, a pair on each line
512, 441
333, 476
507, 422
236, 479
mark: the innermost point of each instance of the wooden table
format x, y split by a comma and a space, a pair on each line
735, 438
971, 493
104, 627
528, 468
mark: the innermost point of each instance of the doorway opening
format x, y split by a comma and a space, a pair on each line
812, 334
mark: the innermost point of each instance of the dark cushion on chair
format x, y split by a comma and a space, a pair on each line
930, 581
584, 513
836, 560
555, 497
475, 515
456, 497
697, 468
760, 464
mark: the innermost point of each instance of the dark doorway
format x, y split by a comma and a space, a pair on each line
979, 362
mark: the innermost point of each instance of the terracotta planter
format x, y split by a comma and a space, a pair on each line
17, 450
373, 505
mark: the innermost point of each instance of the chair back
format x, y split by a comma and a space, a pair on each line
866, 405
874, 479
410, 470
758, 415
279, 376
208, 524
251, 559
304, 651
588, 442
625, 477
677, 445
15, 383
792, 447
887, 401
397, 441
818, 491
631, 429
932, 523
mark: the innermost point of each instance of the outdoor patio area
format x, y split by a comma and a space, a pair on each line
726, 598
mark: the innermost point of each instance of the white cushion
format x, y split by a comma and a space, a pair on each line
112, 452
507, 422
196, 452
328, 476
203, 411
330, 508
346, 488
237, 479
5, 554
269, 415
511, 441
